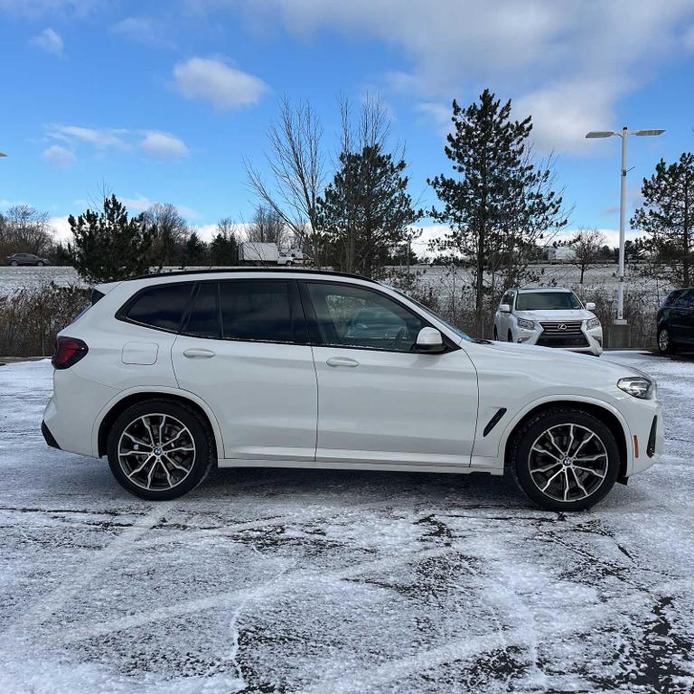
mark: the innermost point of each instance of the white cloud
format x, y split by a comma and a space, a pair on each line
145, 30
58, 156
39, 8
163, 146
101, 138
212, 80
573, 60
49, 41
61, 228
155, 144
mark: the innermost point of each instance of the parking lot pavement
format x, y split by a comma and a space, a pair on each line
281, 580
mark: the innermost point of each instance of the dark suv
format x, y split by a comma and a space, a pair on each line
676, 321
25, 259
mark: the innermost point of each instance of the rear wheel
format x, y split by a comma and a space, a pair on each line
40, 263
160, 449
496, 333
13, 263
509, 337
565, 459
665, 345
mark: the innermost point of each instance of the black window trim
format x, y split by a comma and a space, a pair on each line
122, 312
311, 321
294, 299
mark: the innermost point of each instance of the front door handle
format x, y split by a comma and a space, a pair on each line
342, 361
198, 353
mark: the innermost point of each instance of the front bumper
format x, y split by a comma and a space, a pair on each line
590, 341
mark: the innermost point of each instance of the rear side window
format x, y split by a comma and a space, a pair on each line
259, 310
204, 313
686, 300
670, 299
160, 307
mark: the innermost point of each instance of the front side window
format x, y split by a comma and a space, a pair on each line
547, 301
259, 310
686, 300
507, 299
350, 316
160, 307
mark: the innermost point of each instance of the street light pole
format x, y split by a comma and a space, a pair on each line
624, 134
622, 215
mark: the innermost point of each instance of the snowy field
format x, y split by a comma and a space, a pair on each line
286, 581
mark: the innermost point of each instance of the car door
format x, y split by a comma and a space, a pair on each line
243, 350
687, 319
379, 401
678, 318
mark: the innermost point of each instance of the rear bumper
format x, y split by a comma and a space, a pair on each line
48, 437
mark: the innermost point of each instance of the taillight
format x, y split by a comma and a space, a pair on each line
68, 351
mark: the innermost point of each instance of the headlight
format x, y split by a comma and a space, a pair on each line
637, 386
525, 324
593, 323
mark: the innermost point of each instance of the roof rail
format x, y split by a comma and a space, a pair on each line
308, 271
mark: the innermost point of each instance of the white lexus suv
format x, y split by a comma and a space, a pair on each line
169, 375
549, 318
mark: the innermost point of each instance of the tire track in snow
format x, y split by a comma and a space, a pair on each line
72, 584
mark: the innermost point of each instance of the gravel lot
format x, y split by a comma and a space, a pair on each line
284, 581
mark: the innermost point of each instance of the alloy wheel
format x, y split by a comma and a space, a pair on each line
156, 452
568, 462
663, 340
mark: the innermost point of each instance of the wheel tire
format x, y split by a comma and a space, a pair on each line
204, 455
524, 439
509, 337
496, 333
14, 263
665, 345
40, 263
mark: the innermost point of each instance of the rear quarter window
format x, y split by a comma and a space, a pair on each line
161, 307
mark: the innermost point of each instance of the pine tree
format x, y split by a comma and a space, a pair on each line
108, 245
195, 250
365, 212
667, 218
500, 203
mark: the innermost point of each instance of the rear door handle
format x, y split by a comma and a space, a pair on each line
342, 361
198, 353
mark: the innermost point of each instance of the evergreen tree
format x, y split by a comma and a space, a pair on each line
667, 218
499, 203
364, 213
224, 248
195, 250
108, 245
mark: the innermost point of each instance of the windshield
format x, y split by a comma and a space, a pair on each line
547, 301
432, 314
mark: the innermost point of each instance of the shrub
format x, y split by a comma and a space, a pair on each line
31, 317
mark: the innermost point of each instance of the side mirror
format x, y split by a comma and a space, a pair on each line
429, 341
590, 306
505, 308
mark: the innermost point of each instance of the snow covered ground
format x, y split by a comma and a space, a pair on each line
284, 581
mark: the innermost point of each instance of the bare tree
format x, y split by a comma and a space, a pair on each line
25, 229
171, 233
588, 246
296, 172
267, 227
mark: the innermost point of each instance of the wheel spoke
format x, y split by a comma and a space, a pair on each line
583, 443
174, 463
571, 439
578, 482
549, 481
161, 429
567, 486
149, 430
142, 467
180, 448
554, 443
171, 440
542, 450
592, 472
591, 458
546, 468
166, 470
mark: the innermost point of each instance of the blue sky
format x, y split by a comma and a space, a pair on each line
161, 102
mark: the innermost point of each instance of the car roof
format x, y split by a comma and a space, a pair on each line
250, 269
535, 290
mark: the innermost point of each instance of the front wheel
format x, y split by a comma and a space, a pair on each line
40, 263
665, 345
565, 459
13, 263
509, 337
496, 333
160, 449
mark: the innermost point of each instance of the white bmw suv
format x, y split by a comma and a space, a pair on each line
169, 375
549, 318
